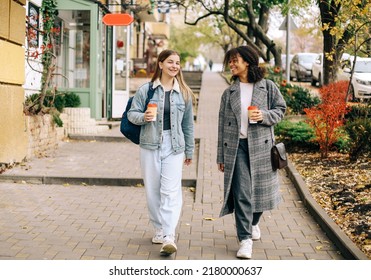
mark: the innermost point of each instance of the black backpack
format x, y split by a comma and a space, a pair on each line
128, 129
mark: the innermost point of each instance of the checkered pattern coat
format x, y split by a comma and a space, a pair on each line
266, 95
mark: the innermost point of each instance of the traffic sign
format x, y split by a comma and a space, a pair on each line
293, 26
117, 19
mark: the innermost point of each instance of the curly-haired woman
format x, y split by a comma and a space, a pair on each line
250, 184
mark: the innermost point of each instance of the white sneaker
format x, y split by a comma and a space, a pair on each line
158, 237
255, 232
245, 251
168, 246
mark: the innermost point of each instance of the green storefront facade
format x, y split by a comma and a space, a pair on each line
84, 55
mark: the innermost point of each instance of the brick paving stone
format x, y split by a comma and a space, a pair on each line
67, 220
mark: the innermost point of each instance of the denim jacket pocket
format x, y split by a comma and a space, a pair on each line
180, 107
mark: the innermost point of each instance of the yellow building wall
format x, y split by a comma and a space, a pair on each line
13, 136
12, 63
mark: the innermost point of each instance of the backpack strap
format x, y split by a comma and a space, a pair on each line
151, 90
150, 93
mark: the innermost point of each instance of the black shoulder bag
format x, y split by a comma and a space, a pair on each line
278, 153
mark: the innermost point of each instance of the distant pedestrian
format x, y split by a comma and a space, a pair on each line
211, 64
165, 144
250, 183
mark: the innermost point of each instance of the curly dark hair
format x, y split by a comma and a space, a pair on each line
249, 55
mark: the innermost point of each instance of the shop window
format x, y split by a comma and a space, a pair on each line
73, 45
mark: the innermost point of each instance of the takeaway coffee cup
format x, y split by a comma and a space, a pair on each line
250, 110
153, 108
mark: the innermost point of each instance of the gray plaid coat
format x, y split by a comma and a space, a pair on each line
265, 188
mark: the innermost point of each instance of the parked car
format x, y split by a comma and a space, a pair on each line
360, 87
301, 66
283, 58
317, 70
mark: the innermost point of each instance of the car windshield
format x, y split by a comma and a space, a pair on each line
307, 58
363, 66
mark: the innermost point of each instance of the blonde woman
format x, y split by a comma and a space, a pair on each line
165, 144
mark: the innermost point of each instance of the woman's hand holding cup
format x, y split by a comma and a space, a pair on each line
254, 114
151, 112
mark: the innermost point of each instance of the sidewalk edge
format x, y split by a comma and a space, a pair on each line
346, 246
89, 181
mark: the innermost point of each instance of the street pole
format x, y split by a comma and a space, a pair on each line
288, 27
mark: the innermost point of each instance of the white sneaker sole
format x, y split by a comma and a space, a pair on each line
243, 256
168, 249
157, 241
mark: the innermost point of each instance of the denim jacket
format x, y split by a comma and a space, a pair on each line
181, 118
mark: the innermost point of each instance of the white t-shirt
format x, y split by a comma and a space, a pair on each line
246, 96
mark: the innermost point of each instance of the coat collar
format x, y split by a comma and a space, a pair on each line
258, 97
258, 86
235, 100
176, 86
260, 93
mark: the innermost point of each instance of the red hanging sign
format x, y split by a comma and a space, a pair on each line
117, 19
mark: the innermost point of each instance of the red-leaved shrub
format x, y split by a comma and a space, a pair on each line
327, 116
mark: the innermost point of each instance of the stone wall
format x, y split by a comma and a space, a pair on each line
78, 121
43, 135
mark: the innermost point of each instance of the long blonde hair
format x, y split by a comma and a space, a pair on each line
184, 88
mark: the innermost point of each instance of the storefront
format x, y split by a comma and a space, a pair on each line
81, 54
95, 60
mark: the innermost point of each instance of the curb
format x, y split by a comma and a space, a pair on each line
346, 246
90, 181
97, 138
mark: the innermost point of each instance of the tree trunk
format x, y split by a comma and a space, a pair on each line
260, 33
328, 12
263, 23
368, 44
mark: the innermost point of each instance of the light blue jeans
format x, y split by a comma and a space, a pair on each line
162, 176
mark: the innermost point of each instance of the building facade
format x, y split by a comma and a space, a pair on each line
13, 138
99, 60
94, 61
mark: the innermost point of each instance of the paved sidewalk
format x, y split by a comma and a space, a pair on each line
86, 201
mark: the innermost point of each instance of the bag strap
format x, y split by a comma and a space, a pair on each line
271, 127
150, 93
273, 138
151, 90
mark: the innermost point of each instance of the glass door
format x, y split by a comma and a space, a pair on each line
121, 70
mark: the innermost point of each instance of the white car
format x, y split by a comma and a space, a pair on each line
301, 66
283, 59
317, 69
361, 80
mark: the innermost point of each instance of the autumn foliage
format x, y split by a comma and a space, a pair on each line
328, 116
